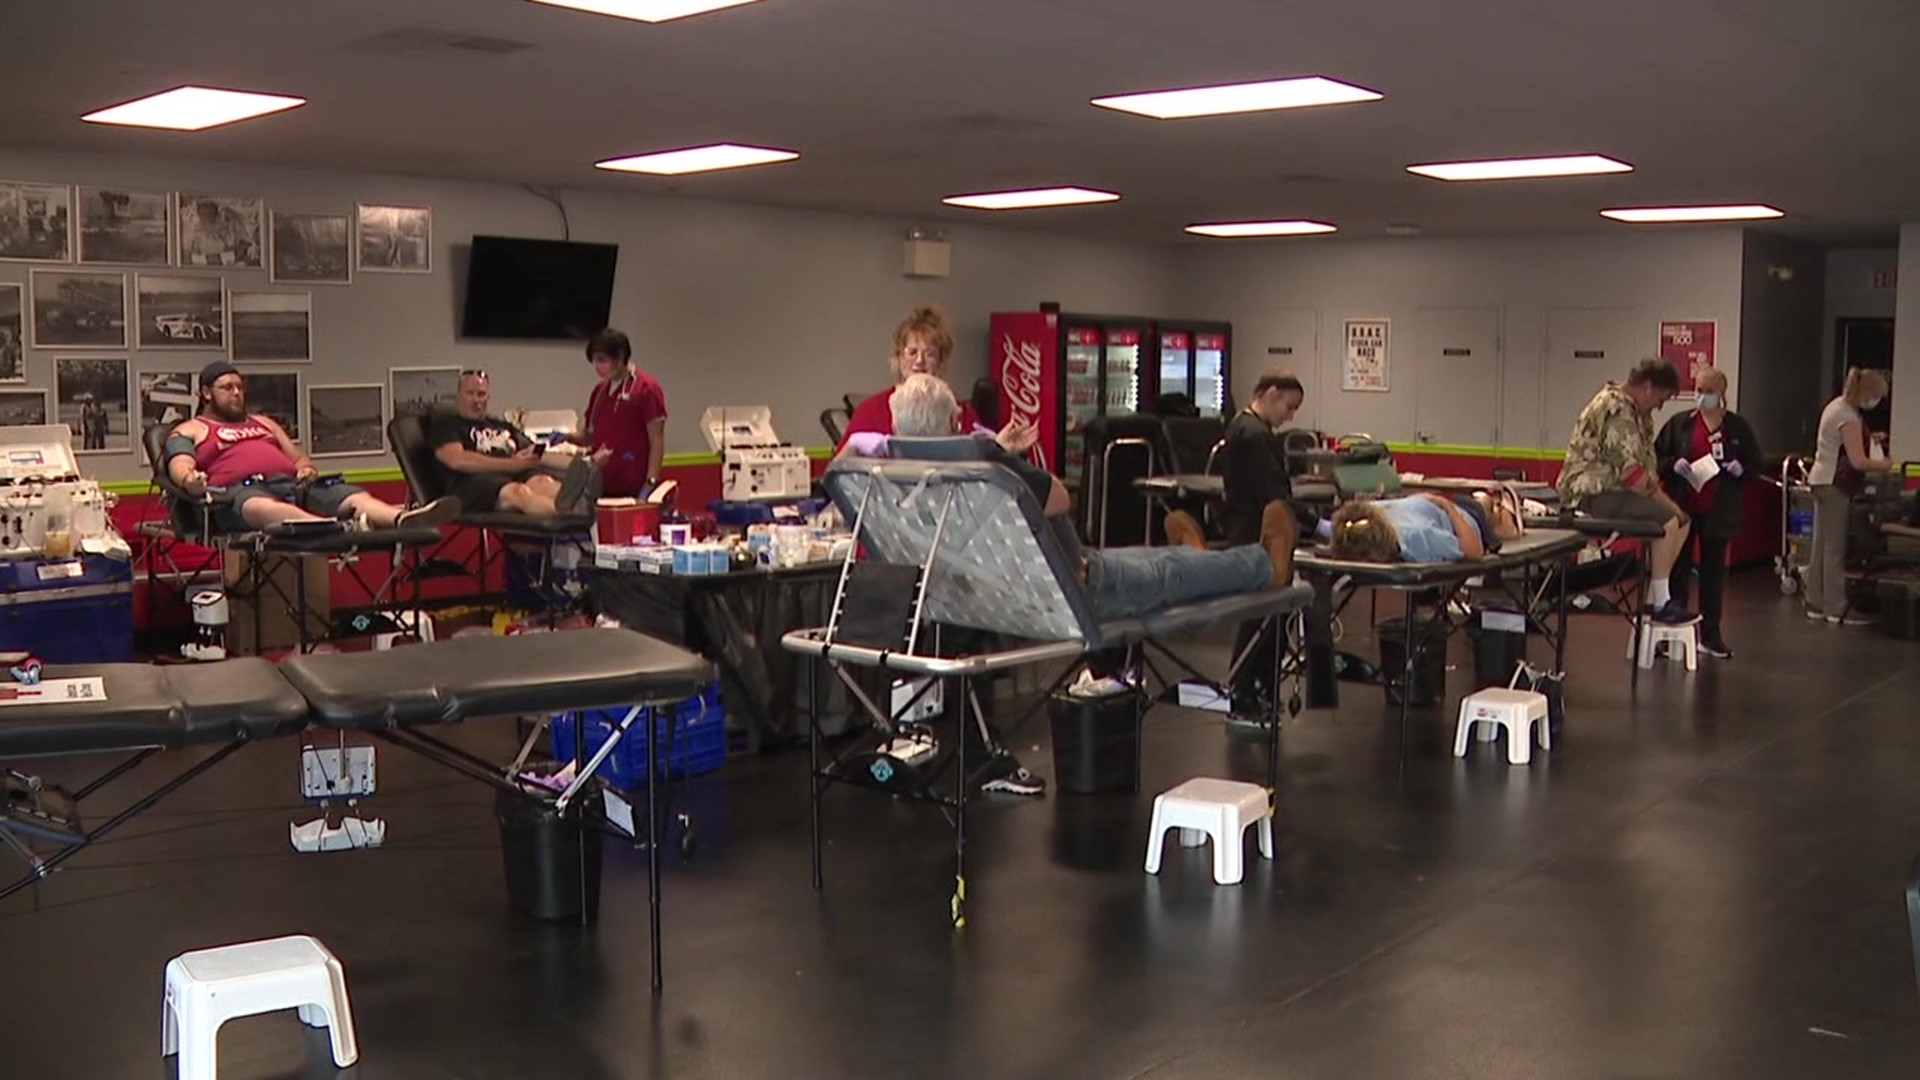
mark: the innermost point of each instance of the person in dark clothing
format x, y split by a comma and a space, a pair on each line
1714, 506
1256, 474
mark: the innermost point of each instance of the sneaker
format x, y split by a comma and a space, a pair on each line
1816, 615
1672, 613
1851, 618
1184, 530
438, 512
1716, 648
575, 487
1279, 532
1005, 774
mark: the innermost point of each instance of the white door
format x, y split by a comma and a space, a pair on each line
1287, 339
1456, 376
1585, 347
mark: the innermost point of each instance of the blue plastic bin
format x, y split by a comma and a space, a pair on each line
699, 739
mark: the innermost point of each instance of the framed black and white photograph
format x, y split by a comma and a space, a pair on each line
417, 391
22, 408
91, 396
36, 222
167, 397
117, 226
79, 309
270, 327
347, 420
221, 231
180, 311
312, 249
395, 239
13, 334
276, 395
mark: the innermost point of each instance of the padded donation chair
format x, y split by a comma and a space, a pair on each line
267, 552
548, 536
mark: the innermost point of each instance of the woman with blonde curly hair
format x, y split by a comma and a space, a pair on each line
922, 345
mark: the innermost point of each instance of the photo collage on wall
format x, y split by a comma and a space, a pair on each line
106, 274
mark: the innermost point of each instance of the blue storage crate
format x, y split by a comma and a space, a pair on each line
699, 739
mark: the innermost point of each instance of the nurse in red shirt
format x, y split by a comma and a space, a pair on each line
626, 418
922, 345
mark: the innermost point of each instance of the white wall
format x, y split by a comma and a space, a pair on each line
1851, 294
726, 304
1906, 347
1626, 284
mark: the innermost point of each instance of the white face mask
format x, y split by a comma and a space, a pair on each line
1872, 403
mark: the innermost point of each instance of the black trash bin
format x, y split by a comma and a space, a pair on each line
1096, 742
1499, 645
1430, 668
552, 863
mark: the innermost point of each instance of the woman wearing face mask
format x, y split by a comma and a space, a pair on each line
1712, 494
1840, 462
626, 428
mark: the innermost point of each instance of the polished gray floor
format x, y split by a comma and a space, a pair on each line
1701, 880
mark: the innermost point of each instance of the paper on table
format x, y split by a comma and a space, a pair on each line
1701, 471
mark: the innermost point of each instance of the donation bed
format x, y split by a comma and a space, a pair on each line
964, 547
140, 710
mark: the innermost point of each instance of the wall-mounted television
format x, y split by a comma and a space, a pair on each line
554, 290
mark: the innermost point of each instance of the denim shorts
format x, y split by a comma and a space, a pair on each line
322, 500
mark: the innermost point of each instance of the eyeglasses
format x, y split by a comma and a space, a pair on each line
475, 373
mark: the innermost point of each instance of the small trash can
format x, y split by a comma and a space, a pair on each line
1096, 742
1499, 645
552, 863
1430, 668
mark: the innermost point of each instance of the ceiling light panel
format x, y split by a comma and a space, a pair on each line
1032, 198
695, 159
1522, 168
193, 108
1239, 98
1239, 229
647, 11
1657, 215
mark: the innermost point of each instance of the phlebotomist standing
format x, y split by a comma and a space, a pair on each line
1256, 474
626, 428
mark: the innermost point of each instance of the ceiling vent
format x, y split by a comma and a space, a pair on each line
419, 39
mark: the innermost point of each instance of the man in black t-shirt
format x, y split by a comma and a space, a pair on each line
492, 465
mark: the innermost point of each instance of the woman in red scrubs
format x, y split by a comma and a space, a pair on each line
922, 345
626, 418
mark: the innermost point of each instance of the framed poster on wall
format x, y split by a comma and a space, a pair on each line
1365, 365
1688, 344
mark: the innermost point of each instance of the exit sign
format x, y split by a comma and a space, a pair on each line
1886, 279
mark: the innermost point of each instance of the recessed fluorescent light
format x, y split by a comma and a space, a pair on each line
1643, 215
1522, 168
1238, 98
193, 108
647, 11
695, 159
1027, 200
1261, 228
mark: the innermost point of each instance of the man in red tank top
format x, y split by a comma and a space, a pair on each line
252, 459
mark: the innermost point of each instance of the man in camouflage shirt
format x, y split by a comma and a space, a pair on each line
1611, 471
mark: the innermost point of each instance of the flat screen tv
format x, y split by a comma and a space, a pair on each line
542, 289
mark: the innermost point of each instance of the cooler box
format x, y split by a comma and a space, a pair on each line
68, 611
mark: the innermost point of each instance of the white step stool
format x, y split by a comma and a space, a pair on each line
1516, 710
1217, 810
1684, 637
207, 988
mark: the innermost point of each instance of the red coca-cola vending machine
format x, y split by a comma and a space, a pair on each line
1060, 370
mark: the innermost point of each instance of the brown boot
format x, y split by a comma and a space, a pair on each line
1278, 533
1184, 531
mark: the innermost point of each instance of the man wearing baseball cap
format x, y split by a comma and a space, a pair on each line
265, 474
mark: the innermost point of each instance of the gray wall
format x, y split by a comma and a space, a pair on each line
1549, 297
726, 304
1906, 347
1783, 300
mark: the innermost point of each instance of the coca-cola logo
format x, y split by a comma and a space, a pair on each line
1020, 378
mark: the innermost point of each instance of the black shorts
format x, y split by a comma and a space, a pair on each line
480, 492
1489, 539
1626, 506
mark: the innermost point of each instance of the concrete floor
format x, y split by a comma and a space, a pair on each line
1700, 881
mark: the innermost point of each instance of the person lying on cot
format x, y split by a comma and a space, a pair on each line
1423, 528
1120, 582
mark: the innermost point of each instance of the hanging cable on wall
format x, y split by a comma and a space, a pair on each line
566, 226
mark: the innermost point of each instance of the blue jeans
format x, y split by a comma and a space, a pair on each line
1125, 582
